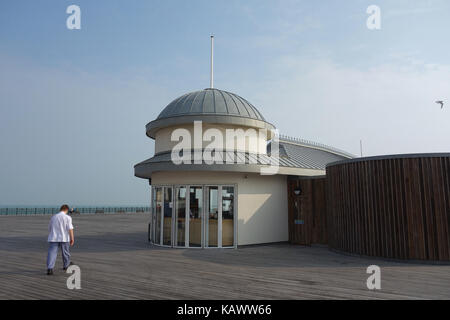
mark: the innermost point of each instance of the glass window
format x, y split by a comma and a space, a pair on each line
227, 216
153, 217
180, 211
167, 224
158, 211
195, 216
212, 216
203, 206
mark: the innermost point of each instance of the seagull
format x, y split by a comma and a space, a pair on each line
441, 103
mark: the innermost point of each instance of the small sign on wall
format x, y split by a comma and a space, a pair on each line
296, 221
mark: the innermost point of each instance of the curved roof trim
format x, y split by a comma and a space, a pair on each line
315, 145
145, 170
157, 124
304, 161
392, 156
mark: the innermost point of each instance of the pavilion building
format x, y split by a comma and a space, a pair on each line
229, 201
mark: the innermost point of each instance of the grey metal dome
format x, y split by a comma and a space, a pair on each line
210, 106
211, 101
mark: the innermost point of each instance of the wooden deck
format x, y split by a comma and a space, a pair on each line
117, 262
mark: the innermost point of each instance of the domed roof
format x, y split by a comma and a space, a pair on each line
211, 101
210, 106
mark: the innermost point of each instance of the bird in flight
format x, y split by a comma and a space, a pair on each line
441, 103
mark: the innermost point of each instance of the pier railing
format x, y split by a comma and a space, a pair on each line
82, 210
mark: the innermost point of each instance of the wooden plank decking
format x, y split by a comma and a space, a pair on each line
117, 262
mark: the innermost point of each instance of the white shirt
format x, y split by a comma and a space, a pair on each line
59, 227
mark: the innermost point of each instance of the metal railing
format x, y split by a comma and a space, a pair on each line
81, 210
314, 144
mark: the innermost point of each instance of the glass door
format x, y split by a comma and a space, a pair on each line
158, 205
211, 216
153, 217
180, 217
195, 216
167, 213
227, 216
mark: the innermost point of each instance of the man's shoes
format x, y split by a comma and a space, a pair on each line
49, 272
70, 264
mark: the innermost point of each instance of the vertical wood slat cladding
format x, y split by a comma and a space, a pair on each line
310, 207
390, 207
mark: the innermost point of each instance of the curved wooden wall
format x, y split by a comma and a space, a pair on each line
397, 207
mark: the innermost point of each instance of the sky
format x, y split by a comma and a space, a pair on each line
74, 103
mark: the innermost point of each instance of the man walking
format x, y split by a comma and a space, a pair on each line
60, 235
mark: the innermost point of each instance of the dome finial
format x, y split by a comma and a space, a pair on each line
211, 84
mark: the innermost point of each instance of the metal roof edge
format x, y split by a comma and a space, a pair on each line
315, 145
392, 156
218, 118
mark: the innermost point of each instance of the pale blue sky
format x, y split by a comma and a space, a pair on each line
74, 103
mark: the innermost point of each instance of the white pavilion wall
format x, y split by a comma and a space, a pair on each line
163, 142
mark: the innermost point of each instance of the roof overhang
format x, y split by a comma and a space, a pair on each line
145, 170
153, 126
